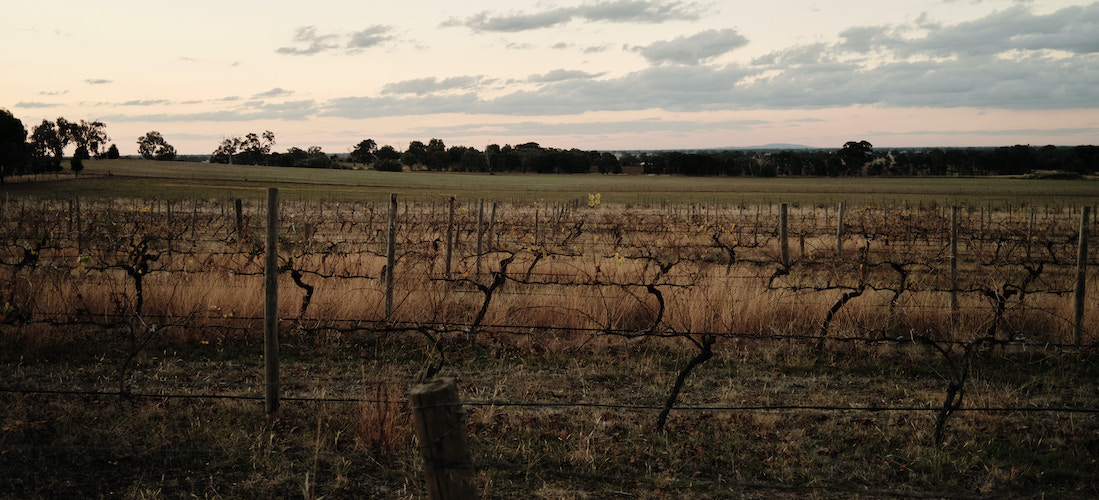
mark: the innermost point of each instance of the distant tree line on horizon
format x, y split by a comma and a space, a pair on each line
41, 151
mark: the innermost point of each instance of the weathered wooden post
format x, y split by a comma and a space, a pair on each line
271, 304
784, 241
953, 262
839, 230
1029, 234
439, 422
391, 256
1081, 278
480, 232
450, 237
79, 228
491, 225
240, 218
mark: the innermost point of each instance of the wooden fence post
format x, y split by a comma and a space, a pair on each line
240, 215
839, 230
784, 241
440, 428
79, 229
953, 262
271, 304
449, 237
480, 232
391, 256
1081, 278
1029, 233
491, 226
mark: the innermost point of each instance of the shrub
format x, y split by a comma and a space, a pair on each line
388, 166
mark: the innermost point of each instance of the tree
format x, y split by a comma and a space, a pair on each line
388, 165
255, 148
491, 152
46, 146
89, 135
226, 150
13, 145
252, 149
415, 154
77, 163
317, 158
152, 146
364, 151
607, 163
388, 153
855, 155
112, 152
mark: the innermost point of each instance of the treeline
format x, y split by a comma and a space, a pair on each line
42, 150
855, 158
860, 159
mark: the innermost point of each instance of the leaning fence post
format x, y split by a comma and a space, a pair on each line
1081, 278
439, 422
391, 256
270, 304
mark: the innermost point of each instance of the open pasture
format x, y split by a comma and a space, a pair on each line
146, 179
844, 359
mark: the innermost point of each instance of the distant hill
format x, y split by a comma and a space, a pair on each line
777, 145
765, 147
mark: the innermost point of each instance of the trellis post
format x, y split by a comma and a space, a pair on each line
270, 304
839, 230
439, 423
391, 256
449, 237
1081, 277
784, 241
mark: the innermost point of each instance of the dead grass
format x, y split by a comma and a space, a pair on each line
543, 339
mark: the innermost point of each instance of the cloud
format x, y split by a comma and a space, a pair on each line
53, 93
97, 81
1051, 132
310, 42
431, 85
370, 37
616, 11
1017, 28
144, 102
35, 105
314, 43
586, 128
1043, 62
275, 92
257, 110
558, 75
692, 49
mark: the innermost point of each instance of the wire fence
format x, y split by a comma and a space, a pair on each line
950, 282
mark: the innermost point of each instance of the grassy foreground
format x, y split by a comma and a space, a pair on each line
174, 180
91, 446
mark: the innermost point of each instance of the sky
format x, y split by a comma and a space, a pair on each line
594, 75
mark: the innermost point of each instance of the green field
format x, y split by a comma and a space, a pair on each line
150, 179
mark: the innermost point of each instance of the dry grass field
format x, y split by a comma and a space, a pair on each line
132, 341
